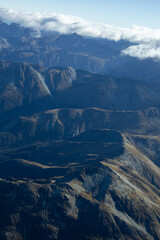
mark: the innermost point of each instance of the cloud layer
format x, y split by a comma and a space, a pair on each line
143, 51
146, 39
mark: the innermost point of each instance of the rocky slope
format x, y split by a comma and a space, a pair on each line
31, 88
82, 189
79, 155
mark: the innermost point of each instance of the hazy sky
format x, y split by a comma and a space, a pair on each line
121, 13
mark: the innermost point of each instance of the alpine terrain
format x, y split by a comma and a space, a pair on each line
79, 138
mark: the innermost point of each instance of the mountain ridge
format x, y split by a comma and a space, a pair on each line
79, 150
102, 56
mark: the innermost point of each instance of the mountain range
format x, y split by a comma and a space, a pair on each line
79, 139
19, 44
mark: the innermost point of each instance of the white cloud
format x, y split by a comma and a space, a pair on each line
146, 39
143, 51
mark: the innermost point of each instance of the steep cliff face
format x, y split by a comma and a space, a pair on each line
21, 84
